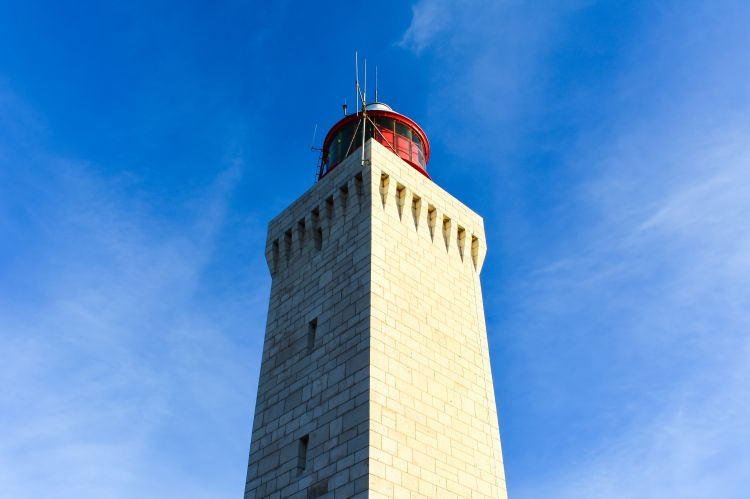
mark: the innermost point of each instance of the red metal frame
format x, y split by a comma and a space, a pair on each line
325, 168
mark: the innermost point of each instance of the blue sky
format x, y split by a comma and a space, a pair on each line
144, 146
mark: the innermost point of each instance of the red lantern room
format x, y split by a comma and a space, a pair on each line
395, 131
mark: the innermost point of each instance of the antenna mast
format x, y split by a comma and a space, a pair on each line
376, 84
312, 142
356, 79
320, 155
364, 118
361, 101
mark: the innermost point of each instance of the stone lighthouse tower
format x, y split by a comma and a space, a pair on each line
375, 379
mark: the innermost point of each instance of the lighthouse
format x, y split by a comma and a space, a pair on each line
375, 377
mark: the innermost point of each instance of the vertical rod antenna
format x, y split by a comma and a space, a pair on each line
356, 78
364, 95
364, 117
376, 84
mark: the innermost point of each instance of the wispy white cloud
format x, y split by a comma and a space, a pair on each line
695, 448
627, 330
429, 19
488, 59
114, 362
687, 314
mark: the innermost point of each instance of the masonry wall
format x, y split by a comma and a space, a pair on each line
310, 435
433, 423
375, 379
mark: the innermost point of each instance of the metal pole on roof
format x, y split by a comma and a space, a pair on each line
356, 78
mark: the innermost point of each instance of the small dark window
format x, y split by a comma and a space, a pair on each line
385, 123
302, 453
403, 130
312, 329
356, 143
369, 131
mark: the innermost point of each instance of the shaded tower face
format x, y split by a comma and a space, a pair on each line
375, 379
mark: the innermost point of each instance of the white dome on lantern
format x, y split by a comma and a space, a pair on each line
378, 106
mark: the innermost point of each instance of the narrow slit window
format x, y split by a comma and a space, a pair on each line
302, 453
400, 198
312, 330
